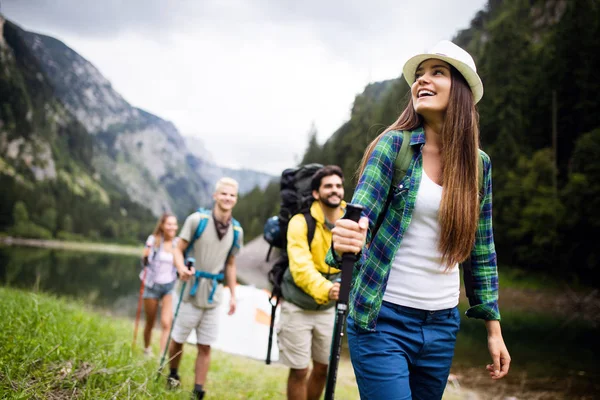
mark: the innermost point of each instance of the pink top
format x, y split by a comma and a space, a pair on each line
161, 268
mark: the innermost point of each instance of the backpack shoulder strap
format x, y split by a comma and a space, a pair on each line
156, 247
311, 225
401, 165
204, 216
480, 176
237, 230
403, 159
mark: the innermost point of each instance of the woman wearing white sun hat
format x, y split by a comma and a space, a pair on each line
428, 208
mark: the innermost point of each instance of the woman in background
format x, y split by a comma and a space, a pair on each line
160, 278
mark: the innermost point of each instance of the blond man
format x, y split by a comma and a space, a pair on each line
213, 238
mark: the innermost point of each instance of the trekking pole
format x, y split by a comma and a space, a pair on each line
189, 263
139, 307
353, 212
271, 326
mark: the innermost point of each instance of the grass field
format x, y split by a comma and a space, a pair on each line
57, 349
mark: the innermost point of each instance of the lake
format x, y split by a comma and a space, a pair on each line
106, 281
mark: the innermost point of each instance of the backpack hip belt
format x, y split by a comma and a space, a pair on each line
216, 279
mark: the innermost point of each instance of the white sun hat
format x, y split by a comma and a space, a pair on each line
453, 55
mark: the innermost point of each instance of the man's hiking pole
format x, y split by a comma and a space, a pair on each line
139, 307
189, 263
272, 324
353, 212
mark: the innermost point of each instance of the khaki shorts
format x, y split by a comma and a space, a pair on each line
205, 321
303, 334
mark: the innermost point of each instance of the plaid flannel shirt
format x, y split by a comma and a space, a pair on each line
372, 270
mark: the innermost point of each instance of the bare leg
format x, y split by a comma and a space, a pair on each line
316, 381
175, 354
202, 363
296, 389
166, 318
150, 306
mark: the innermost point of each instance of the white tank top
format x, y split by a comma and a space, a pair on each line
162, 268
417, 277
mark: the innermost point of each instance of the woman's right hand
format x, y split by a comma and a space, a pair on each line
349, 236
185, 273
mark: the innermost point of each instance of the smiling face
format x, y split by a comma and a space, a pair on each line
431, 89
225, 197
169, 227
331, 191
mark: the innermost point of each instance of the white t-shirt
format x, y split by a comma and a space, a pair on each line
418, 279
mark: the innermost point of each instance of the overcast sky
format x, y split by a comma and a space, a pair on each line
248, 77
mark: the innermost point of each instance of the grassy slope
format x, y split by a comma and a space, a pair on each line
53, 348
56, 348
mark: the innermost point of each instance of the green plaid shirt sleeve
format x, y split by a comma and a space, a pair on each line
484, 275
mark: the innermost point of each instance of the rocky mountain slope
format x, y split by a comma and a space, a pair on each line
140, 154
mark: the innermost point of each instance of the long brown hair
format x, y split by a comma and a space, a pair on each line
158, 233
459, 209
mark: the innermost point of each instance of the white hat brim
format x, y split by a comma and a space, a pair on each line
470, 76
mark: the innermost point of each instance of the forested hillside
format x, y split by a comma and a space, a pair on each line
49, 185
77, 161
540, 123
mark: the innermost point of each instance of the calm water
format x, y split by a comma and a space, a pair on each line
553, 358
106, 281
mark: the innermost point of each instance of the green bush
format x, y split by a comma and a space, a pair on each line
30, 230
94, 235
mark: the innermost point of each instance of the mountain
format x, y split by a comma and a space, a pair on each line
145, 154
63, 125
140, 152
50, 187
197, 148
247, 179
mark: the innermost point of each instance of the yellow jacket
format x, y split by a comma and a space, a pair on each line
307, 264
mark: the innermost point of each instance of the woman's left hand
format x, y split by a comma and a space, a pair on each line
232, 306
499, 353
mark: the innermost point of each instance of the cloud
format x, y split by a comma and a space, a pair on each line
92, 19
248, 77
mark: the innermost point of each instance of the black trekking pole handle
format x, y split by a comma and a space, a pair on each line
353, 212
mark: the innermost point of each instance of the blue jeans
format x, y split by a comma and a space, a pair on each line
158, 290
407, 357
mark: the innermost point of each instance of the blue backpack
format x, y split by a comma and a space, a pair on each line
205, 215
